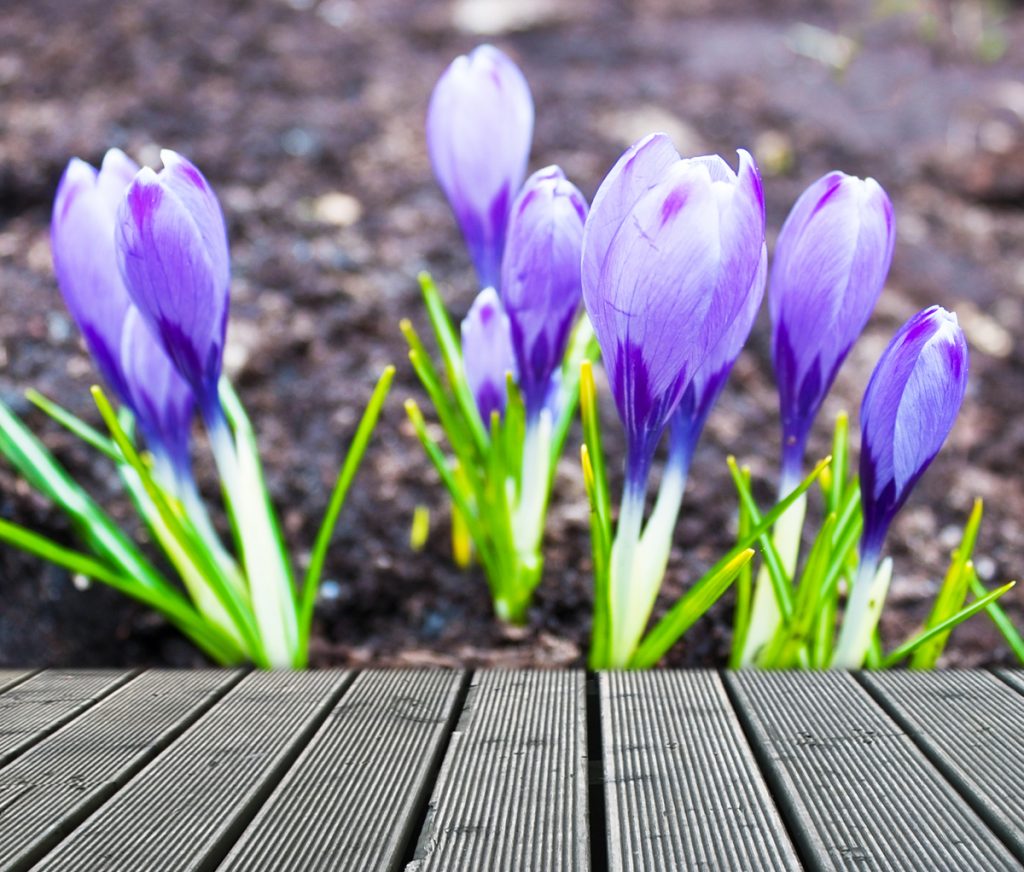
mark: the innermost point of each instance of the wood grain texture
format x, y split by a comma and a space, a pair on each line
51, 788
186, 808
855, 791
351, 800
512, 791
682, 790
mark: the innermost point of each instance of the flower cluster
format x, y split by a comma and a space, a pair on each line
662, 276
142, 261
513, 378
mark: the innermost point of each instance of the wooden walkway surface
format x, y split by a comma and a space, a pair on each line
491, 771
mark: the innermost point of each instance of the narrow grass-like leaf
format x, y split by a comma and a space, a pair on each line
781, 585
348, 471
75, 425
42, 471
840, 459
908, 648
592, 439
999, 618
687, 610
582, 346
171, 604
679, 618
197, 567
744, 589
788, 648
952, 593
601, 550
451, 353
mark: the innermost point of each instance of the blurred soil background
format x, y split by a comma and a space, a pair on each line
307, 117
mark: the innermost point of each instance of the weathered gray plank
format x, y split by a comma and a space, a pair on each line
33, 709
682, 790
349, 801
971, 725
184, 810
11, 677
1013, 677
512, 792
857, 793
52, 787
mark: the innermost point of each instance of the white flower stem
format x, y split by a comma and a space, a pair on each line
528, 516
269, 587
863, 609
621, 577
764, 612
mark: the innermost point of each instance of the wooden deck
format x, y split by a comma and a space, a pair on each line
490, 771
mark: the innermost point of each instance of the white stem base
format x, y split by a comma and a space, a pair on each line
765, 616
863, 609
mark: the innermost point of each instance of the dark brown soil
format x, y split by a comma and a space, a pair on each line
307, 116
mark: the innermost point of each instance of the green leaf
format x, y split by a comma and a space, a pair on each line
952, 593
353, 458
744, 590
42, 471
75, 425
185, 548
687, 610
592, 439
451, 353
679, 618
999, 618
840, 459
773, 562
787, 648
172, 605
600, 641
908, 648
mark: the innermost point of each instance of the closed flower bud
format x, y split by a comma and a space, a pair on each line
540, 284
829, 266
173, 253
487, 353
670, 253
82, 236
479, 129
908, 410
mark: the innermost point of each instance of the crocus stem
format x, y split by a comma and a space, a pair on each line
195, 510
764, 613
622, 578
863, 609
269, 587
528, 516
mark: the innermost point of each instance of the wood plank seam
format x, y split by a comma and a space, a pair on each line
597, 813
80, 814
962, 788
10, 754
418, 820
787, 809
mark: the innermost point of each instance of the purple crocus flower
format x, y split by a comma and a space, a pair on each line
687, 422
173, 252
487, 353
161, 399
670, 252
830, 264
908, 410
82, 237
540, 278
479, 129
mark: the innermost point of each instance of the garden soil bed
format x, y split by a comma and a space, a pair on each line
307, 117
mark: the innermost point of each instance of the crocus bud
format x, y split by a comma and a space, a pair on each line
479, 129
540, 278
670, 252
173, 253
830, 264
487, 353
82, 237
161, 399
691, 414
908, 410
